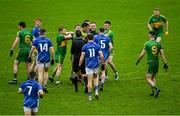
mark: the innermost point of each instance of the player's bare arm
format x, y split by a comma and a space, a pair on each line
150, 27
141, 56
31, 51
14, 45
81, 58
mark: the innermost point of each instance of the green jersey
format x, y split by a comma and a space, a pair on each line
61, 44
152, 48
26, 38
157, 22
109, 34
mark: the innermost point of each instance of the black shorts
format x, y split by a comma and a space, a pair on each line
76, 64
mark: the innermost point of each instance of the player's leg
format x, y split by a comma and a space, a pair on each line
103, 75
96, 81
158, 39
51, 78
40, 73
28, 68
34, 111
151, 73
58, 72
110, 61
89, 73
45, 78
57, 59
59, 67
15, 71
27, 111
159, 36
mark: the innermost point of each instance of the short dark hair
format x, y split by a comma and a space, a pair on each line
93, 23
157, 9
85, 24
77, 25
32, 75
101, 30
153, 34
42, 31
107, 22
86, 21
22, 24
78, 33
90, 36
61, 28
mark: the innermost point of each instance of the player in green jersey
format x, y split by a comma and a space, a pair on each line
153, 48
156, 23
61, 40
24, 39
85, 29
109, 33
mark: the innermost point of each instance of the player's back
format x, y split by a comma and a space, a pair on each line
91, 50
153, 48
30, 90
25, 39
103, 41
77, 45
43, 45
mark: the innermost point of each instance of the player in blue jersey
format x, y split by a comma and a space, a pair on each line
91, 52
36, 28
35, 33
44, 47
32, 91
106, 47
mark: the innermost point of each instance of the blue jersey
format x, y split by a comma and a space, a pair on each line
43, 45
103, 41
30, 89
35, 32
91, 50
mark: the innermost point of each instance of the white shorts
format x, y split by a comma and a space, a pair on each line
43, 65
26, 109
91, 71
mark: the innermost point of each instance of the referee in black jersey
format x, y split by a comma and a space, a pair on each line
80, 72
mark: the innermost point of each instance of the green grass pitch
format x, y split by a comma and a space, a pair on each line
129, 20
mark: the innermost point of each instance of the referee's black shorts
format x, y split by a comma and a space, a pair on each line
76, 64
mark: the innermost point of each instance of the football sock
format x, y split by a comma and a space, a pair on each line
89, 93
96, 89
15, 76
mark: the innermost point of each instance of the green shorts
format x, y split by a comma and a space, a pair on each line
23, 55
159, 33
152, 67
59, 58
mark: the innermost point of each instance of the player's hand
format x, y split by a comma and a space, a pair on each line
52, 62
166, 33
137, 62
103, 67
11, 53
165, 67
29, 59
41, 96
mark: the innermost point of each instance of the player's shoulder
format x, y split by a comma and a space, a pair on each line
162, 16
